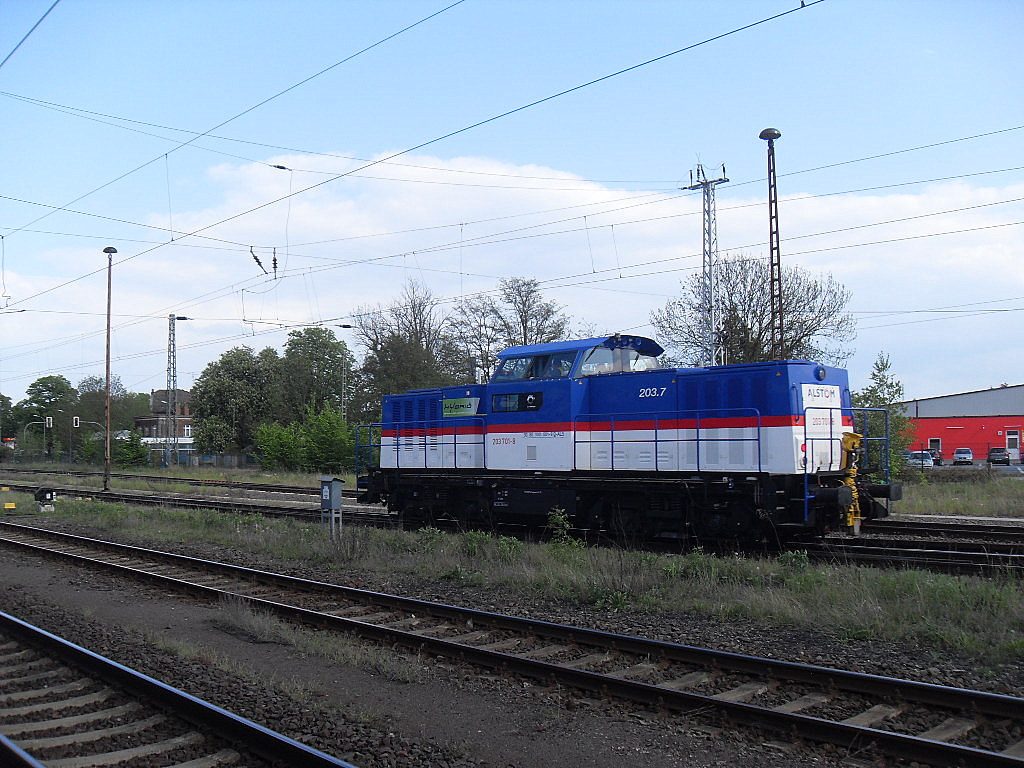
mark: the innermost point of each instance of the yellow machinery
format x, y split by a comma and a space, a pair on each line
851, 454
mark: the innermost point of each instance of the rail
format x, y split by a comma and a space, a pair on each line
210, 719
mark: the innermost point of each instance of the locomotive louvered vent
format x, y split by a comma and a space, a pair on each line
407, 414
736, 393
690, 392
711, 394
421, 409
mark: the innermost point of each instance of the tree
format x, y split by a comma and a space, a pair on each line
234, 394
279, 446
398, 364
7, 427
50, 397
525, 317
886, 391
413, 316
124, 405
327, 444
130, 451
815, 323
212, 435
485, 325
319, 371
408, 345
323, 442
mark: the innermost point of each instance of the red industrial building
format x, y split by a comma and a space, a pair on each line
987, 418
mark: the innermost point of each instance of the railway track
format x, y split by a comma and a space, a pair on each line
987, 557
307, 511
299, 490
63, 706
949, 530
928, 723
975, 558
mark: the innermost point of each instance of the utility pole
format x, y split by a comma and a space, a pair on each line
709, 289
775, 254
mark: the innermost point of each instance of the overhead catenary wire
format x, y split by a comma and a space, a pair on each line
29, 33
592, 278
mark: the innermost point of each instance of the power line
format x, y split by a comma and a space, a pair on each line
23, 39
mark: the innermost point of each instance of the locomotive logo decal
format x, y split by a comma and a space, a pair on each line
460, 406
820, 395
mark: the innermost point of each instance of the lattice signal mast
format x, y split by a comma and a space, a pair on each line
171, 415
775, 255
709, 289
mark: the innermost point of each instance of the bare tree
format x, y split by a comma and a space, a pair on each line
485, 325
413, 316
816, 325
476, 332
526, 318
409, 345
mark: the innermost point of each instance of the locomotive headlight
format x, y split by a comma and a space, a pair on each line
819, 373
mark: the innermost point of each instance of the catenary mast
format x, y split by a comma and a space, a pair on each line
709, 290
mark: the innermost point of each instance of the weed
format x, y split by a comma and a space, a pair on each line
430, 539
509, 549
978, 617
612, 600
462, 575
797, 560
476, 543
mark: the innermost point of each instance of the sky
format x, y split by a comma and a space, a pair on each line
365, 144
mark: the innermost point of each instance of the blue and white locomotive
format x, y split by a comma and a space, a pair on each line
598, 429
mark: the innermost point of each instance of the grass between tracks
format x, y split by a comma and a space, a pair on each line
970, 491
980, 617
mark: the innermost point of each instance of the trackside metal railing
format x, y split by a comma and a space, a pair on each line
879, 444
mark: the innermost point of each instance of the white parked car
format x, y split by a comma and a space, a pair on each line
920, 459
963, 456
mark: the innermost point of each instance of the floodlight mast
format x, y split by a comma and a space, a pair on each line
778, 351
110, 251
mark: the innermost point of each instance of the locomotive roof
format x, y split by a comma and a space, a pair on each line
641, 344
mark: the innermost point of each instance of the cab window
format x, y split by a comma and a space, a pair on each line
602, 359
557, 365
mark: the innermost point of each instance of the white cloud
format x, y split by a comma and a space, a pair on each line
611, 255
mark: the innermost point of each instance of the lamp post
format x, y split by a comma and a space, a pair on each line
344, 383
24, 432
775, 256
110, 251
